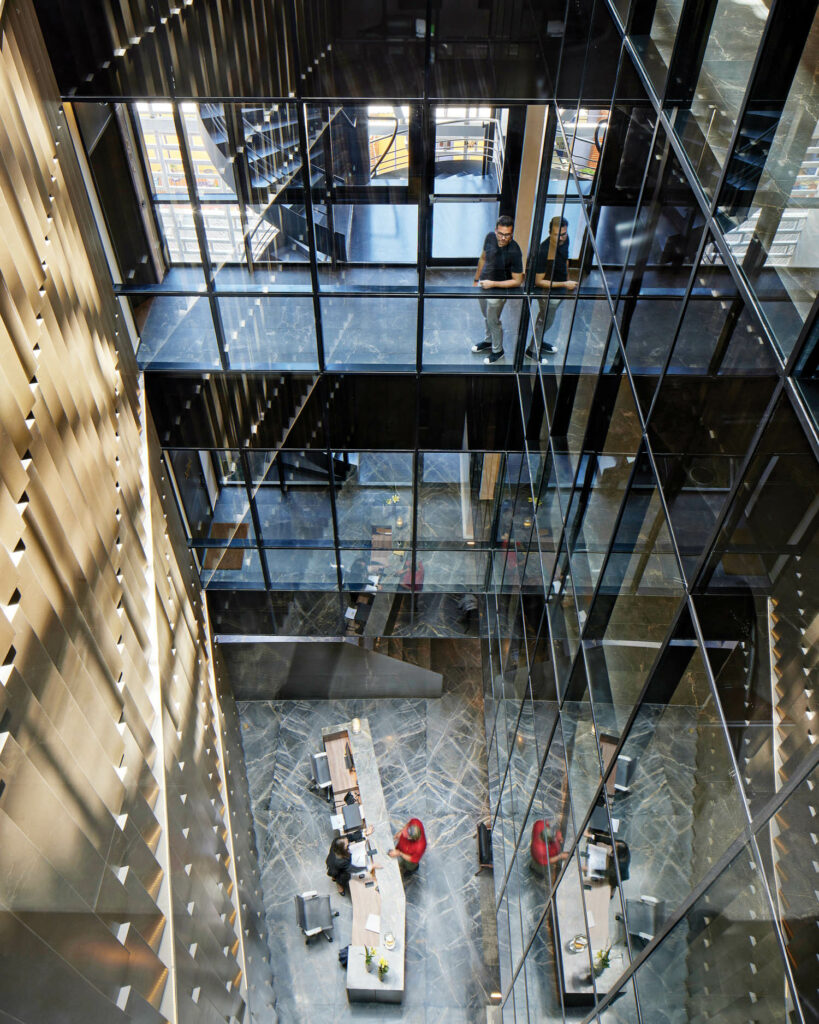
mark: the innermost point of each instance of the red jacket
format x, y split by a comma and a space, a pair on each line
414, 849
544, 850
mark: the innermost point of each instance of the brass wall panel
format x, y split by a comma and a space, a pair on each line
116, 828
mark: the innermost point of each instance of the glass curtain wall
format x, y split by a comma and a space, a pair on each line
649, 688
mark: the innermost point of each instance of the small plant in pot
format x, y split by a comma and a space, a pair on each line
383, 967
602, 960
369, 953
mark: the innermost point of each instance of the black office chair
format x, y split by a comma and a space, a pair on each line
315, 916
320, 768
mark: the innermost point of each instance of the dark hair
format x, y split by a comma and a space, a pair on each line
505, 221
413, 833
562, 220
339, 847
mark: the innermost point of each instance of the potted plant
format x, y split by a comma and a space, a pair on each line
383, 967
369, 953
602, 960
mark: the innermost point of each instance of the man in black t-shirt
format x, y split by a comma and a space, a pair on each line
500, 267
552, 272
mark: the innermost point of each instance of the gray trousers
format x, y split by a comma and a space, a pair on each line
492, 309
547, 311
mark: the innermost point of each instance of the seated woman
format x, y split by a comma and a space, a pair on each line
338, 863
546, 849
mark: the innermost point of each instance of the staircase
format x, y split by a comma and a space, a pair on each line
264, 138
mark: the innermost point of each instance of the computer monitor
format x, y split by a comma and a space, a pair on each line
352, 816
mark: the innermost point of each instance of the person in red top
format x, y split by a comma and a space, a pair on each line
546, 847
410, 843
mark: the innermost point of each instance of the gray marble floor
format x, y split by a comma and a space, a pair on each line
433, 765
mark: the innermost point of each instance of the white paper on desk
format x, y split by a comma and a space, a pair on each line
371, 589
373, 923
615, 823
373, 579
590, 918
337, 822
350, 613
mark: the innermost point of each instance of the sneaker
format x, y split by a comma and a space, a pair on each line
482, 346
548, 350
493, 357
530, 352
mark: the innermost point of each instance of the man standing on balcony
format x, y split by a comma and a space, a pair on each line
500, 267
551, 272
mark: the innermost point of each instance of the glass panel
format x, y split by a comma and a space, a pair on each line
563, 621
263, 332
571, 937
206, 135
706, 127
452, 326
624, 1009
660, 260
455, 571
722, 961
211, 488
601, 483
302, 569
582, 755
161, 150
546, 835
450, 507
175, 332
371, 233
224, 233
541, 974
653, 32
772, 209
720, 380
374, 501
369, 331
459, 229
470, 144
760, 609
178, 230
787, 845
233, 567
361, 145
673, 780
292, 494
638, 596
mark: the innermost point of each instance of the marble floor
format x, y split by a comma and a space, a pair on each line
432, 760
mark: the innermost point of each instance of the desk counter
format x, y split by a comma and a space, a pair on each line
363, 985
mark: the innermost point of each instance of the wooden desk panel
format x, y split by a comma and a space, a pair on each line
366, 901
342, 778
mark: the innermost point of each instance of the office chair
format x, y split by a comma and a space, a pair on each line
320, 767
314, 916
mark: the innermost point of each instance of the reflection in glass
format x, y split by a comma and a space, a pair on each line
175, 331
301, 568
706, 127
788, 853
262, 332
772, 210
369, 331
727, 935
291, 490
638, 595
672, 784
453, 325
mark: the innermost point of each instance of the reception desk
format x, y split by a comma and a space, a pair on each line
353, 769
